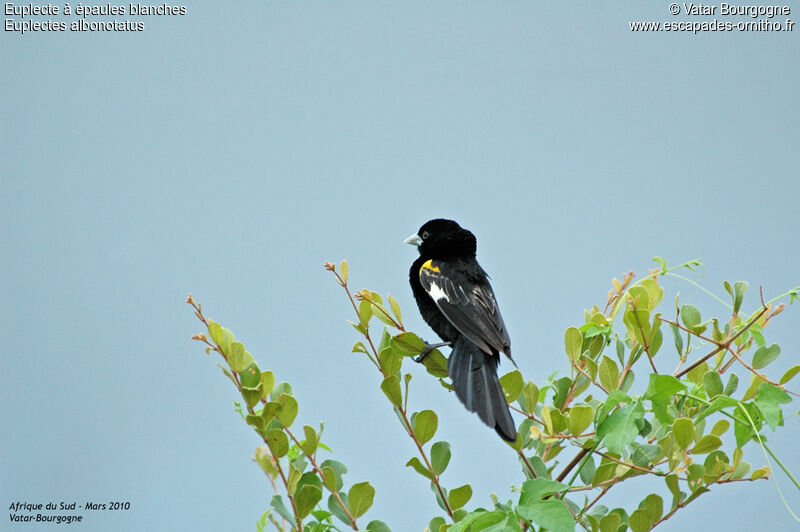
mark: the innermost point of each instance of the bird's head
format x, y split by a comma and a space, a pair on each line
442, 238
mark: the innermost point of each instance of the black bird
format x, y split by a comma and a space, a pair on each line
456, 300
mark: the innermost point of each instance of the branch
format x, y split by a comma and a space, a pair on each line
238, 383
318, 471
408, 426
720, 346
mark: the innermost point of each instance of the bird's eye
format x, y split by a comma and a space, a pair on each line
425, 235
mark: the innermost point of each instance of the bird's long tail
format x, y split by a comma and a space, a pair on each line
474, 375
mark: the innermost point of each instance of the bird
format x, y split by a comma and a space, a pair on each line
456, 300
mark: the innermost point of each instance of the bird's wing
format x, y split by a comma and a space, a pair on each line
470, 307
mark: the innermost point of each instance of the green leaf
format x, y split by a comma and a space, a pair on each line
663, 387
436, 364
752, 390
562, 387
512, 385
676, 334
739, 288
251, 396
294, 478
459, 496
621, 427
251, 376
408, 343
227, 374
391, 387
627, 381
548, 421
572, 343
419, 468
215, 331
530, 396
379, 526
288, 411
343, 270
391, 360
596, 345
281, 388
638, 324
436, 524
683, 431
674, 487
609, 374
267, 383
277, 503
535, 489
654, 293
640, 520
706, 444
336, 508
277, 442
332, 472
614, 398
380, 312
307, 494
712, 383
269, 411
440, 456
611, 523
653, 504
236, 357
789, 375
733, 384
364, 312
690, 315
580, 417
263, 458
761, 472
395, 308
765, 355
588, 470
656, 338
743, 433
769, 401
644, 454
696, 374
550, 514
638, 298
311, 442
758, 334
257, 422
603, 473
425, 425
720, 427
477, 520
359, 498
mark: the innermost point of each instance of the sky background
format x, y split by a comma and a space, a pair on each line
232, 151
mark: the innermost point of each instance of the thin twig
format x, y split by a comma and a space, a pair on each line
570, 466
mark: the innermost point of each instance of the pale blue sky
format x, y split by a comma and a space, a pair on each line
231, 152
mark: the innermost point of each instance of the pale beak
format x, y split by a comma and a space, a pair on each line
414, 240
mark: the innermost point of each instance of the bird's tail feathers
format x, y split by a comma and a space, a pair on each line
474, 376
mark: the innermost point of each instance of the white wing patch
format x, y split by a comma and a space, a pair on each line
437, 293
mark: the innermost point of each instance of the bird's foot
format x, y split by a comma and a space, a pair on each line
428, 349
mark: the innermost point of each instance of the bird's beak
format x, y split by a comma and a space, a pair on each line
414, 240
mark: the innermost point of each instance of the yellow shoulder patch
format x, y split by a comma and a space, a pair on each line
428, 265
